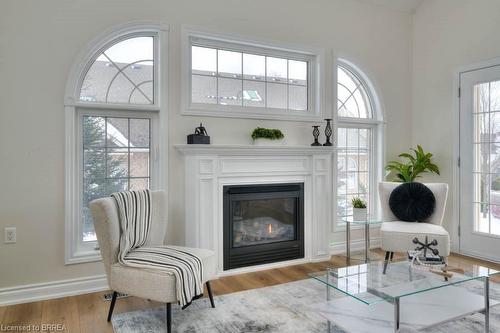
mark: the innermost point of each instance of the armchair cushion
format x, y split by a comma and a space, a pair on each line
397, 236
440, 191
412, 202
155, 284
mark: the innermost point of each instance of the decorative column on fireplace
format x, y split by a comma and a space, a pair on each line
262, 224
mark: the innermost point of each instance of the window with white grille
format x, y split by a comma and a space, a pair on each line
238, 78
357, 147
116, 156
123, 73
112, 136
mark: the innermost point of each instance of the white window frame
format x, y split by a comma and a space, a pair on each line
377, 142
77, 251
314, 56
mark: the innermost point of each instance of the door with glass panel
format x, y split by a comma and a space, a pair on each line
480, 163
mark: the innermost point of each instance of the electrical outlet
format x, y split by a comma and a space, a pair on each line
10, 235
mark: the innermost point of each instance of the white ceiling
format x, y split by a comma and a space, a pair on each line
407, 6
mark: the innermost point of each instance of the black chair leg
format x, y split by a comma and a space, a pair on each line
169, 317
386, 261
209, 289
392, 255
112, 305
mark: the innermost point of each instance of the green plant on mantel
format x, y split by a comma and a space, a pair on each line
267, 133
358, 203
414, 163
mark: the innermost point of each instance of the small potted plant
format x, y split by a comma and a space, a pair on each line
359, 210
267, 136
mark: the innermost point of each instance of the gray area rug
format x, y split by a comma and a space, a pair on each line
281, 308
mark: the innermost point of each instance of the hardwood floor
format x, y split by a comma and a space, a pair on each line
87, 313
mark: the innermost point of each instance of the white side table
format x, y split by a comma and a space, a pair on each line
367, 223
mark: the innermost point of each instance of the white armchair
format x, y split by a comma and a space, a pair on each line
145, 283
397, 235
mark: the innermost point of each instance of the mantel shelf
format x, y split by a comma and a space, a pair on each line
221, 149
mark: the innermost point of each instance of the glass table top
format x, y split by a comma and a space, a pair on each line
368, 284
369, 220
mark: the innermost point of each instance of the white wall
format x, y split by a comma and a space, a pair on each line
39, 41
447, 34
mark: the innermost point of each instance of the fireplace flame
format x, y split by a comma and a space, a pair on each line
269, 229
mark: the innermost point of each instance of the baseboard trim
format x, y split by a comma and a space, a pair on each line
356, 245
478, 256
50, 290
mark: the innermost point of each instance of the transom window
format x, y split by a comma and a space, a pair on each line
123, 73
235, 78
240, 78
357, 134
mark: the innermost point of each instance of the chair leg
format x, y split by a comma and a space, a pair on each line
209, 289
169, 317
392, 256
386, 261
112, 305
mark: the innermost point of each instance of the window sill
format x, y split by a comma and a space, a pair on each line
260, 114
83, 256
114, 106
360, 121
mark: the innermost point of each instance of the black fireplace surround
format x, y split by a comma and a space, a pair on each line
263, 224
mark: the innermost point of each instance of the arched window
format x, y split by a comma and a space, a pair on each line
358, 133
123, 73
352, 97
113, 110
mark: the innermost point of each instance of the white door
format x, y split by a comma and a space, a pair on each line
480, 163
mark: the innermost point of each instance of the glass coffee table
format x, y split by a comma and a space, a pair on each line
349, 221
367, 286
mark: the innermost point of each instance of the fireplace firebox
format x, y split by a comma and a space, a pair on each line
263, 224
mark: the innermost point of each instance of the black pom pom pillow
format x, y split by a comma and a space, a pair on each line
412, 202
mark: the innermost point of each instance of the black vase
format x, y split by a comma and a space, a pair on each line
328, 133
316, 136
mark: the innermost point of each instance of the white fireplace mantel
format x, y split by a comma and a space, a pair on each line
208, 168
252, 150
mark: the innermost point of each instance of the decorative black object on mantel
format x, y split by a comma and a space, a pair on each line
200, 136
328, 132
316, 136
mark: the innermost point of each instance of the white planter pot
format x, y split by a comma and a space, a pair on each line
268, 142
359, 214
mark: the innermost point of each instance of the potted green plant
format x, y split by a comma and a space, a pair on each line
359, 210
412, 201
414, 163
267, 136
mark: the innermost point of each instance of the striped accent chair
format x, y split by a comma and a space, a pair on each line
145, 283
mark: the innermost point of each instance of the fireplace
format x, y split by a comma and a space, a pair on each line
263, 224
